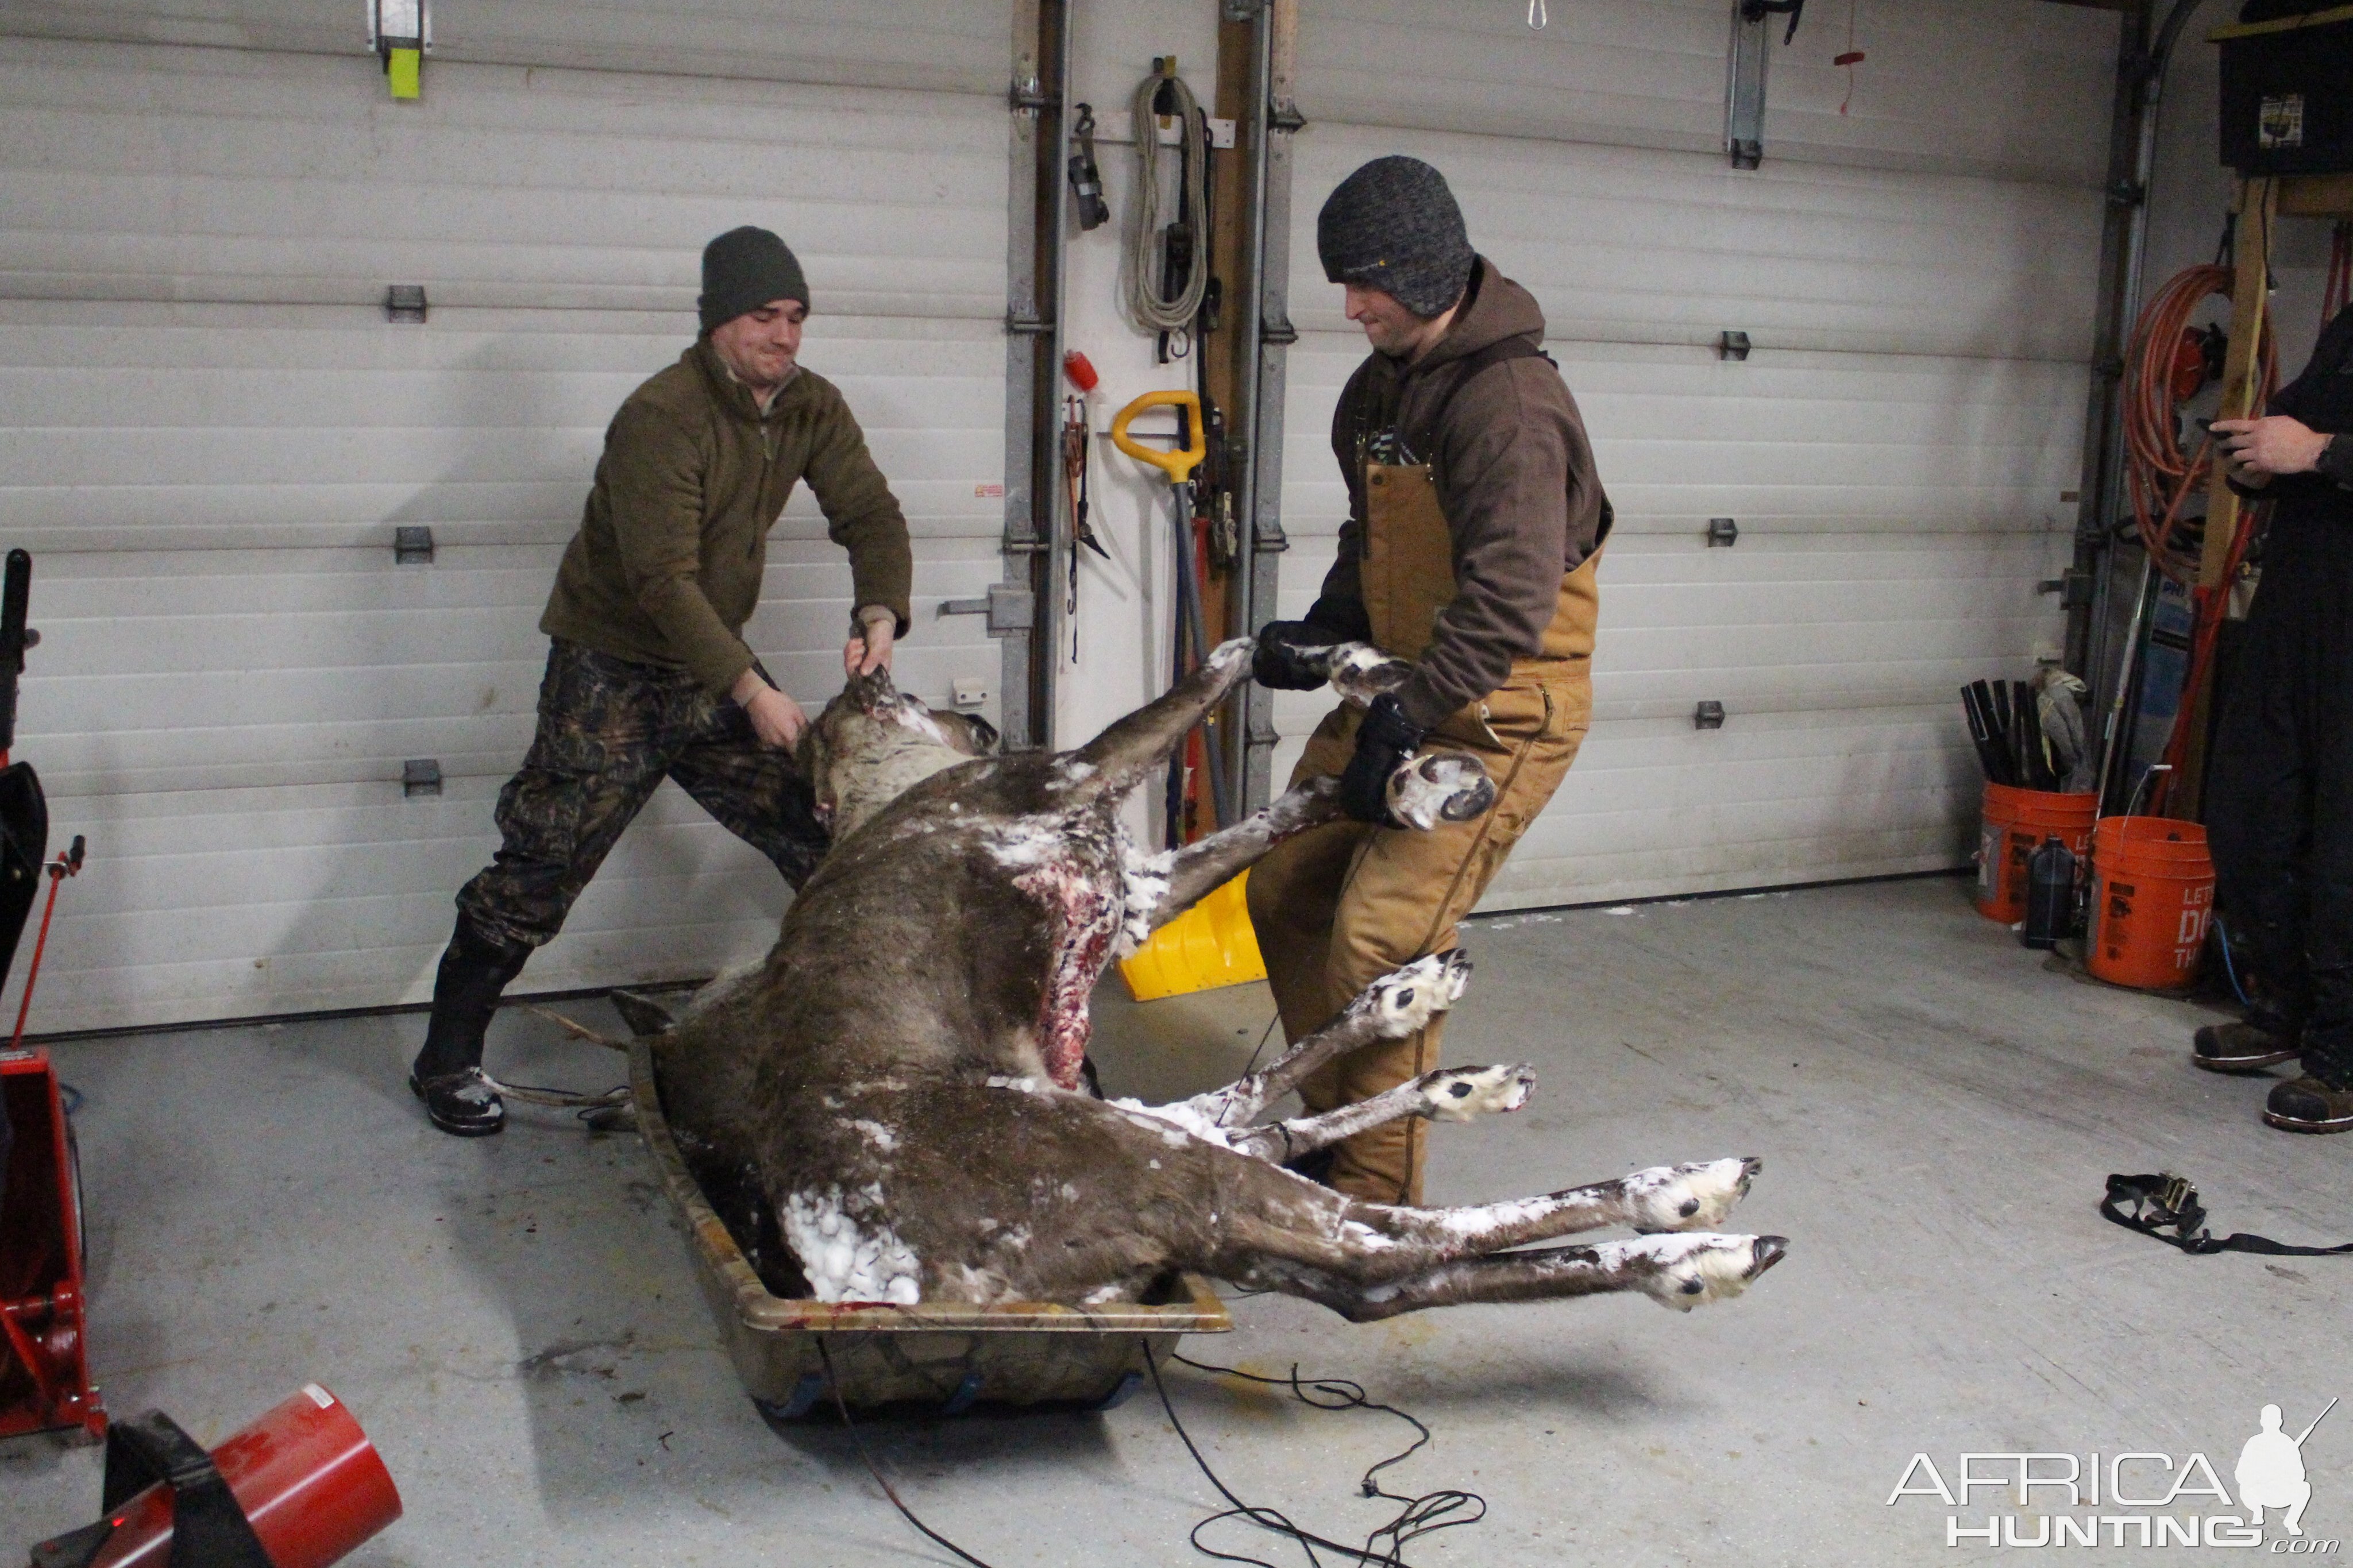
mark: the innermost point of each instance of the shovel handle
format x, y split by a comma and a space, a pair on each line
1178, 466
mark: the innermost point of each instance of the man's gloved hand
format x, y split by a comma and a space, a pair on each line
1384, 741
1280, 662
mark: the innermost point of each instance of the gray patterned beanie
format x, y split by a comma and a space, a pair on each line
1393, 226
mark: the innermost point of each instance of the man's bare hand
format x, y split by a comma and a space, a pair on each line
775, 718
871, 648
2260, 450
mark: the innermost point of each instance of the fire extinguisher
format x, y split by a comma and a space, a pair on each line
300, 1488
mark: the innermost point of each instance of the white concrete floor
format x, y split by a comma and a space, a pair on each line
516, 1325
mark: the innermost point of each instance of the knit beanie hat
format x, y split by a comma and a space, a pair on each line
1393, 226
743, 270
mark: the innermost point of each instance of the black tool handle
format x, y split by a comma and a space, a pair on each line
15, 598
1981, 736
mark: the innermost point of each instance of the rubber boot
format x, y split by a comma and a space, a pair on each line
2248, 1046
448, 1073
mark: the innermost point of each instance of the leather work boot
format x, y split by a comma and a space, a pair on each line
2309, 1105
448, 1073
2242, 1048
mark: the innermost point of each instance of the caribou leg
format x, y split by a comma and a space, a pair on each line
1449, 1094
1678, 1271
1424, 790
1123, 756
1211, 862
1390, 1008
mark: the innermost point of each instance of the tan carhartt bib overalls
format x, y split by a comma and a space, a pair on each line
1338, 907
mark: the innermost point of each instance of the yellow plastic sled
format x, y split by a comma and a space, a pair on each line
1209, 946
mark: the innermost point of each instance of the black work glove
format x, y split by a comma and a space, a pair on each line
1384, 741
1281, 662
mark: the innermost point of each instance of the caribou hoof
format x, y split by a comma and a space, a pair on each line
1688, 1271
1458, 1094
1407, 997
1359, 672
1444, 786
1689, 1197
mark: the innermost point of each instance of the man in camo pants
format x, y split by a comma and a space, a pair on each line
648, 676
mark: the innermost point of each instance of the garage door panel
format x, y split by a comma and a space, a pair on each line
220, 904
1899, 450
209, 433
1623, 246
1848, 442
319, 192
195, 678
1650, 73
954, 48
1681, 810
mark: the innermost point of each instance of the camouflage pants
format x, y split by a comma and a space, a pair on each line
609, 731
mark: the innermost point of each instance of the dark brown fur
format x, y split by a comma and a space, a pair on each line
899, 1081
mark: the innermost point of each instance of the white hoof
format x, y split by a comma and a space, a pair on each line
1687, 1271
1444, 786
1689, 1197
1360, 672
1458, 1094
1407, 997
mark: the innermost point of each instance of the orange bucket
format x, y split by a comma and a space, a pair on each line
2017, 821
2152, 895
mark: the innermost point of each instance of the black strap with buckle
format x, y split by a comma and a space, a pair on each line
210, 1529
2166, 1203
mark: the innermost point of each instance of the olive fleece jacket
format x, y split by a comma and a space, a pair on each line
666, 567
1514, 476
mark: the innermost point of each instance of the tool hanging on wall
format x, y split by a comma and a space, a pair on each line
1086, 175
1076, 443
1192, 629
1164, 268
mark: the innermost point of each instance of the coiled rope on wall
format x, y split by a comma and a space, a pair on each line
1140, 261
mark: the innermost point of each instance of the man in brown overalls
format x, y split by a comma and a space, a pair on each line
1475, 525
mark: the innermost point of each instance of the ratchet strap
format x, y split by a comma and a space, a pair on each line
2166, 1203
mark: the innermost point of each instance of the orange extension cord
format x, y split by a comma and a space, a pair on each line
2161, 475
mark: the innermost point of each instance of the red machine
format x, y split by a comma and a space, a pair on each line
298, 1488
43, 1373
44, 1369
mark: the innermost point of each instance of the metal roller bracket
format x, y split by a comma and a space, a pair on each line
1008, 608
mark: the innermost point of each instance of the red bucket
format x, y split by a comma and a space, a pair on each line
2152, 896
2016, 823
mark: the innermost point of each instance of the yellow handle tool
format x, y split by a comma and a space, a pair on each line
1177, 466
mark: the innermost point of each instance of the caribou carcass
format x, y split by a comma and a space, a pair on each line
891, 1107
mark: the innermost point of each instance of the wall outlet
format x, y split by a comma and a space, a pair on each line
971, 693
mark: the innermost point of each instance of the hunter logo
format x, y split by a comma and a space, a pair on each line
2070, 1499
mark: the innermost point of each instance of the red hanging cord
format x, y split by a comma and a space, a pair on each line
1851, 58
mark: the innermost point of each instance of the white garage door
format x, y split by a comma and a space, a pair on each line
211, 433
1917, 277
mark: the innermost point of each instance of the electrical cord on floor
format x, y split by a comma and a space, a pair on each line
562, 1098
1423, 1515
2230, 967
1252, 1065
833, 1385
